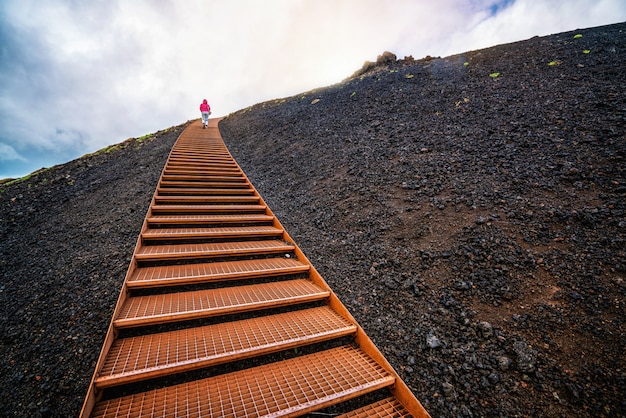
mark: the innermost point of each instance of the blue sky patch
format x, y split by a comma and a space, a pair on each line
499, 6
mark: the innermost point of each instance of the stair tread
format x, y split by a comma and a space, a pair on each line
219, 271
293, 386
202, 178
155, 355
203, 169
202, 162
205, 176
199, 162
209, 219
193, 160
204, 184
215, 157
217, 232
389, 407
214, 249
207, 208
172, 191
206, 199
214, 173
156, 309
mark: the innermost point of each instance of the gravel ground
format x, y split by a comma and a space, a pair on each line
67, 235
469, 211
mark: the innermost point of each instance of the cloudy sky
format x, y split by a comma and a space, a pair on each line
76, 76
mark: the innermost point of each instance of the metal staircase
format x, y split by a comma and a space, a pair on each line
222, 315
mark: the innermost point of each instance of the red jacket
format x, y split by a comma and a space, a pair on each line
204, 107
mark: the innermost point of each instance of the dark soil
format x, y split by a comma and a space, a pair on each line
67, 235
474, 225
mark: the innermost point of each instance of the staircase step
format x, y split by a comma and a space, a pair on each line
171, 191
171, 307
389, 407
201, 177
211, 233
203, 168
204, 184
201, 148
163, 200
217, 158
190, 158
155, 355
287, 388
199, 163
204, 175
204, 155
145, 277
209, 250
183, 151
211, 173
208, 219
207, 208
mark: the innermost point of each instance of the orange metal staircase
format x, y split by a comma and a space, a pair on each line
222, 315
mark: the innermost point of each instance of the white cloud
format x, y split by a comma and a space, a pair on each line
7, 153
82, 75
523, 19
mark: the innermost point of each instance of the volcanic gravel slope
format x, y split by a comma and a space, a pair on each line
469, 211
67, 235
473, 224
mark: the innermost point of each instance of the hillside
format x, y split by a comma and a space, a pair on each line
67, 235
474, 224
469, 211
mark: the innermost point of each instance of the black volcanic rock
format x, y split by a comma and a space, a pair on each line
468, 210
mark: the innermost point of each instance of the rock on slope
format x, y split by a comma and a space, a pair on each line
469, 211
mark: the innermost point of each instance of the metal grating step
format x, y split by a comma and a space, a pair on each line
170, 307
155, 355
203, 168
210, 272
226, 175
170, 177
208, 219
211, 233
208, 250
183, 152
205, 199
207, 208
203, 184
288, 388
386, 408
189, 157
195, 152
171, 191
196, 161
204, 175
